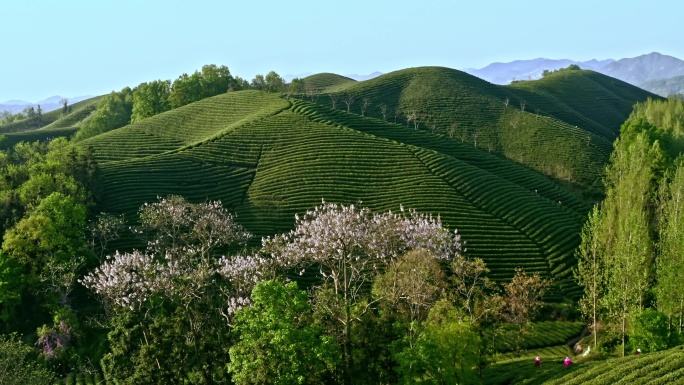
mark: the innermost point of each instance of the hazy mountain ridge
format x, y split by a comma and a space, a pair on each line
504, 73
665, 87
653, 66
49, 104
636, 70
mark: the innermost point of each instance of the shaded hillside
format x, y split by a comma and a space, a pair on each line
562, 126
665, 87
267, 159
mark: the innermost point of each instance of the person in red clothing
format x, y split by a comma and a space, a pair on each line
567, 362
638, 351
537, 362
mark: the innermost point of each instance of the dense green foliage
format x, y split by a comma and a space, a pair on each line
623, 266
432, 139
17, 366
113, 111
279, 341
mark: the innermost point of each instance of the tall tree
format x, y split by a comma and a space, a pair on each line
274, 82
523, 299
216, 80
670, 261
590, 270
626, 233
185, 90
150, 99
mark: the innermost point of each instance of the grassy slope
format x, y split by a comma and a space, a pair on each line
666, 367
566, 130
267, 159
56, 125
326, 80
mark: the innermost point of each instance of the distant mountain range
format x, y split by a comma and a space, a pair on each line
46, 105
640, 71
504, 73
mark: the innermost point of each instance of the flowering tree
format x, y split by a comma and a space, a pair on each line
170, 291
350, 245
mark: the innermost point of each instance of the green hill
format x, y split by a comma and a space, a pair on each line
55, 125
326, 80
429, 138
267, 158
562, 125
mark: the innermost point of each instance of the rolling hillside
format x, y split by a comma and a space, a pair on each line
267, 158
562, 126
437, 148
55, 125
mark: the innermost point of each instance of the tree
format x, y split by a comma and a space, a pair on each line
349, 244
17, 366
650, 332
186, 89
274, 82
333, 100
113, 111
364, 106
590, 271
215, 80
349, 100
104, 229
258, 83
170, 304
278, 342
670, 260
412, 284
471, 284
626, 233
446, 351
50, 245
65, 107
296, 86
383, 111
150, 99
523, 299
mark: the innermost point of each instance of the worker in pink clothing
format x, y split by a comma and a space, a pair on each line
567, 362
537, 362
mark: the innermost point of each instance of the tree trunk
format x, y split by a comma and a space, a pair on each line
624, 325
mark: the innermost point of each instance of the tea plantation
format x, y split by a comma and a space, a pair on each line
665, 367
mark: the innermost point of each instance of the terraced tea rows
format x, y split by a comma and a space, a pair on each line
270, 166
185, 126
538, 126
78, 112
666, 367
542, 334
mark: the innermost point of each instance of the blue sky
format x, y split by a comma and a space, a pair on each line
91, 47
